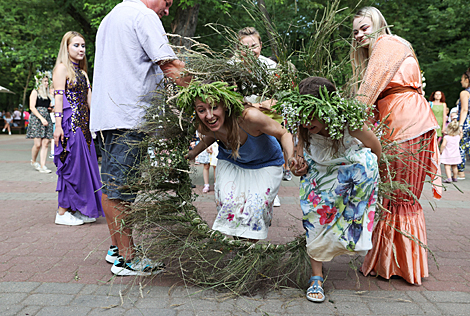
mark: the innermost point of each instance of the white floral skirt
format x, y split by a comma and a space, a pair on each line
244, 199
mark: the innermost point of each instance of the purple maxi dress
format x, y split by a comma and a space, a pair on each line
78, 183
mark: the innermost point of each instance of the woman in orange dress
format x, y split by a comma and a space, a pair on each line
391, 82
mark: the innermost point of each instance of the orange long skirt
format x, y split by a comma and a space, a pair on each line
393, 252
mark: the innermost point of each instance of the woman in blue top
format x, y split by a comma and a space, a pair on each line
249, 169
464, 122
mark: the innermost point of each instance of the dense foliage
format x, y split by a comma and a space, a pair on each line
439, 30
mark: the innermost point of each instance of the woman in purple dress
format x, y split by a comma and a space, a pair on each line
78, 183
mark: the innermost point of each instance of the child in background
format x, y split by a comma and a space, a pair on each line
8, 121
208, 159
214, 151
452, 116
338, 188
450, 153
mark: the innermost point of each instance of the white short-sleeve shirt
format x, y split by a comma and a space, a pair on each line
129, 43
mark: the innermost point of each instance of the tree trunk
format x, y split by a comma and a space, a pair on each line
184, 25
269, 27
30, 71
79, 17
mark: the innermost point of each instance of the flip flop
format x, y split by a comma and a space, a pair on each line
315, 289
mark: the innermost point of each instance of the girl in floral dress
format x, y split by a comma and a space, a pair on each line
338, 188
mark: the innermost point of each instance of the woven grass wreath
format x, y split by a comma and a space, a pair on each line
171, 229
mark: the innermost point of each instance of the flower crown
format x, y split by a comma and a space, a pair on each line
332, 109
38, 77
215, 92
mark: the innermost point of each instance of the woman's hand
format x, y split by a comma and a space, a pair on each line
191, 155
44, 121
298, 166
58, 134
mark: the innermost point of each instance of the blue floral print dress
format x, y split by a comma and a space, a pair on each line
338, 197
465, 140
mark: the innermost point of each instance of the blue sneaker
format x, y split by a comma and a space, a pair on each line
112, 254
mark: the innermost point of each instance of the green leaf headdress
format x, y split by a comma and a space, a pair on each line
332, 109
215, 92
38, 77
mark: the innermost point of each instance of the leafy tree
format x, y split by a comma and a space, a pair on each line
30, 35
439, 31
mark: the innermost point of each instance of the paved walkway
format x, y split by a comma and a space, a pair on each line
48, 269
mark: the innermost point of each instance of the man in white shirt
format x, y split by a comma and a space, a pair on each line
132, 57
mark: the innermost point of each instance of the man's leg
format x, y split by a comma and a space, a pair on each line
119, 159
120, 237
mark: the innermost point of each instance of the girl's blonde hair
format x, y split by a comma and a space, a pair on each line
453, 128
44, 92
63, 56
360, 55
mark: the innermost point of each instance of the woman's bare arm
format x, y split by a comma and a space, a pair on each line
32, 105
59, 78
368, 138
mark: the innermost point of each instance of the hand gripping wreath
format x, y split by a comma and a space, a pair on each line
337, 112
215, 92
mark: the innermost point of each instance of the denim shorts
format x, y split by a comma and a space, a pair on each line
121, 157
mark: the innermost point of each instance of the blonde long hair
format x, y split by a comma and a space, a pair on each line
63, 56
360, 55
453, 128
44, 92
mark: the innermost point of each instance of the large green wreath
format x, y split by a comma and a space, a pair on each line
169, 225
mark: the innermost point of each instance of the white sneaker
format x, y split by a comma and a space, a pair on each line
277, 202
122, 267
44, 170
51, 156
67, 219
35, 165
84, 218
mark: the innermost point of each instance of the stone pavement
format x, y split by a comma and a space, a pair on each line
48, 269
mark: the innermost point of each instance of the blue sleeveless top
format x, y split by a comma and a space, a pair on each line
257, 152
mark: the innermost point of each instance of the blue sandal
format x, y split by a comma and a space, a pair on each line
315, 289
